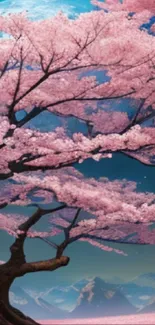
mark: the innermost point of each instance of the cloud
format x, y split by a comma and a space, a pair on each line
139, 306
144, 297
37, 9
59, 301
17, 300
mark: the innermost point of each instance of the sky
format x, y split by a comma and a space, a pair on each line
40, 9
86, 260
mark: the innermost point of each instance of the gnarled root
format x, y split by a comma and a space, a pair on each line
12, 316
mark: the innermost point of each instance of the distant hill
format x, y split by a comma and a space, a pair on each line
87, 297
145, 280
149, 308
62, 297
81, 284
99, 298
35, 308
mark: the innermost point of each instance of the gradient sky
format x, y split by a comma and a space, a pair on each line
86, 261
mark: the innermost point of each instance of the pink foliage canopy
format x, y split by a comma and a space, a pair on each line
40, 73
94, 40
114, 210
127, 5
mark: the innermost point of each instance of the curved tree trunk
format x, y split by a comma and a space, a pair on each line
8, 273
17, 266
8, 314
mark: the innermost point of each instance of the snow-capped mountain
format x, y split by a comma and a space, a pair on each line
35, 308
140, 290
87, 297
65, 297
99, 298
149, 308
147, 279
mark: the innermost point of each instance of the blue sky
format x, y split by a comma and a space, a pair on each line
86, 260
39, 9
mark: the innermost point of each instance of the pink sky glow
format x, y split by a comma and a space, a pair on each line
124, 320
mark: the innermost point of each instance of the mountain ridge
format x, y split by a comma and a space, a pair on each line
83, 297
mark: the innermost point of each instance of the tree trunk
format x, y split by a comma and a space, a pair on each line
8, 273
8, 314
17, 267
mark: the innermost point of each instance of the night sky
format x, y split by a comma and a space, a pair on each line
86, 260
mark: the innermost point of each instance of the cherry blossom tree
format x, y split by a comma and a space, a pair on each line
115, 212
127, 5
53, 66
36, 74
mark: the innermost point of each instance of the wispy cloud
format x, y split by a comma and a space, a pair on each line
144, 297
17, 300
59, 301
37, 9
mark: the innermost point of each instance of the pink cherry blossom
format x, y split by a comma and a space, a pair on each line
97, 69
127, 5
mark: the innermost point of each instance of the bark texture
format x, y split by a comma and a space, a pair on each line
8, 273
17, 266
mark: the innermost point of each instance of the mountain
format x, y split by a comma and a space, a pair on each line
136, 294
134, 289
99, 298
140, 290
35, 308
65, 297
149, 308
147, 280
62, 297
87, 297
81, 284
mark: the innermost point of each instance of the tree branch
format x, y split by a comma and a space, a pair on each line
47, 265
29, 116
134, 119
74, 220
17, 248
116, 241
49, 242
